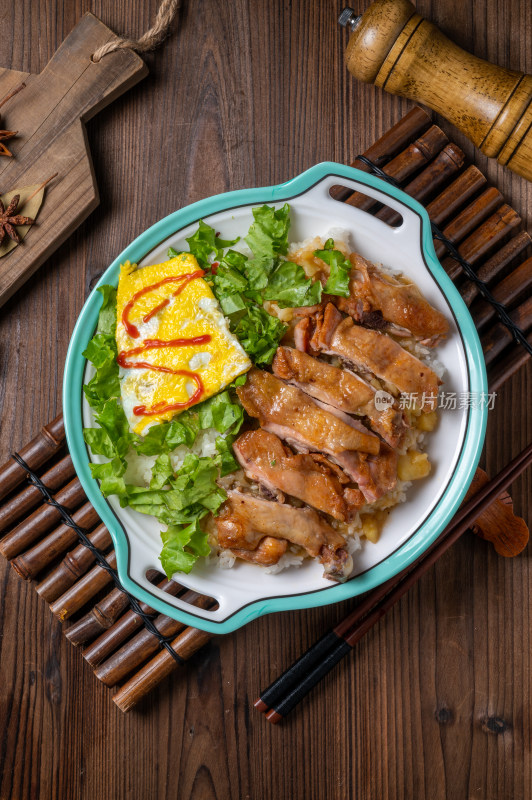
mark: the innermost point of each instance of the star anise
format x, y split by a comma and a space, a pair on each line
4, 135
9, 219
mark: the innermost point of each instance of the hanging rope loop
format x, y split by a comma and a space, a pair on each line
150, 40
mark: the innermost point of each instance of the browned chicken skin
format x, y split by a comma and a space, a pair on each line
274, 402
293, 416
309, 477
381, 301
339, 388
245, 520
268, 552
377, 353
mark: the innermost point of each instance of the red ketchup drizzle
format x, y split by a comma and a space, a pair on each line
185, 279
160, 408
149, 344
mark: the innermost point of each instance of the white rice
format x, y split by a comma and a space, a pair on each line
289, 559
224, 559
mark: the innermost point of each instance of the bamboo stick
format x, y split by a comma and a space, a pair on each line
470, 218
98, 619
507, 292
455, 195
406, 163
101, 616
106, 644
392, 142
152, 673
429, 180
29, 564
504, 368
41, 520
397, 138
46, 444
135, 652
83, 590
497, 264
499, 336
483, 239
19, 505
73, 566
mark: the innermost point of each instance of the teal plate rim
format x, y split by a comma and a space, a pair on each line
440, 515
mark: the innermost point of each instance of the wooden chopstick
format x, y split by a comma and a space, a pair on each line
296, 682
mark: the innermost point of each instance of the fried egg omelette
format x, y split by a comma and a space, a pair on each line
160, 308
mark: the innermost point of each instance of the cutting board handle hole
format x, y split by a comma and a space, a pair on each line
362, 201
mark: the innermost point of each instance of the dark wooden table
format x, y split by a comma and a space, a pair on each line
435, 702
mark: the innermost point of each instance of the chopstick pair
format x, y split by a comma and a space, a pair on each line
295, 683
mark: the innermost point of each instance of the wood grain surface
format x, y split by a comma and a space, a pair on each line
435, 702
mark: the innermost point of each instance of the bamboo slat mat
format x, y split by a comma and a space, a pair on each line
38, 539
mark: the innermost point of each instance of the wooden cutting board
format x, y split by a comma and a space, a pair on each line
49, 115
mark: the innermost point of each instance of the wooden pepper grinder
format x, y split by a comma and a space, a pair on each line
396, 49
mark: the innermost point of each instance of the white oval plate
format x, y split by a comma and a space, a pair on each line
247, 591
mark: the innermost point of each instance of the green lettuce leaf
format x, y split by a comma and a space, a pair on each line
107, 316
113, 437
225, 459
192, 493
110, 476
165, 437
99, 442
182, 546
101, 352
221, 413
230, 276
340, 269
259, 334
112, 440
204, 242
290, 287
258, 272
268, 235
161, 471
233, 304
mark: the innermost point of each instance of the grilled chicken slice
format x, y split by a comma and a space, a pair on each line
381, 301
309, 477
273, 401
268, 552
400, 304
339, 388
245, 520
290, 414
377, 353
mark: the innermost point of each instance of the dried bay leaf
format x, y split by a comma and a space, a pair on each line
28, 206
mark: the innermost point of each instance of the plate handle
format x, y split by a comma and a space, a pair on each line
413, 214
228, 602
